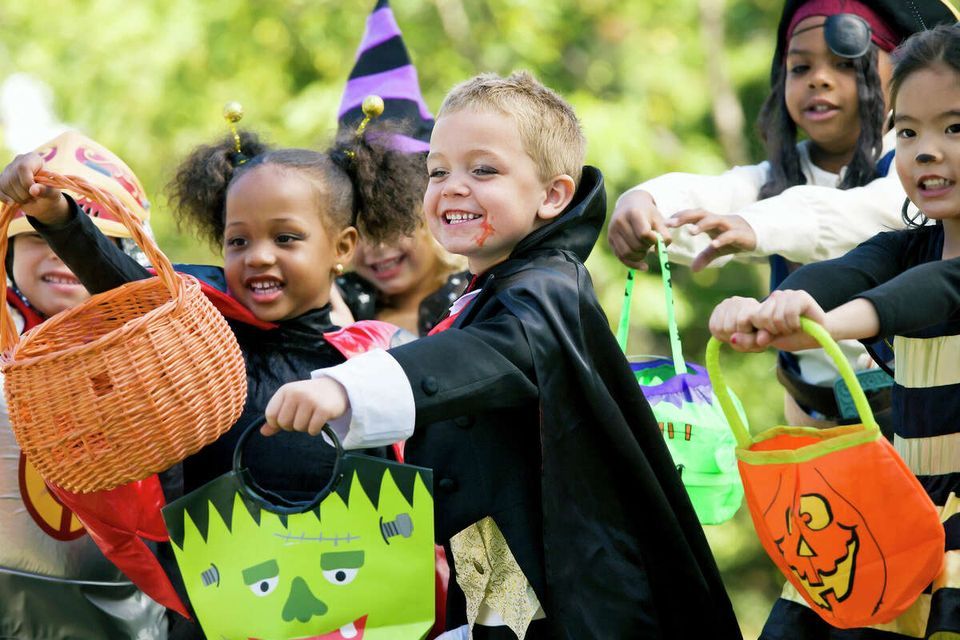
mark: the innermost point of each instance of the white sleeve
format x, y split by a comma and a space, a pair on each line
382, 410
721, 194
460, 633
808, 223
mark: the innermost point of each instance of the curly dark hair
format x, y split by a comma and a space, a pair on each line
779, 131
363, 183
388, 184
198, 190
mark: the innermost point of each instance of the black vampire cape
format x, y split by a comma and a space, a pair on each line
539, 407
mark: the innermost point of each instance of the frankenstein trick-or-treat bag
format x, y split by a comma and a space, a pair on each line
836, 509
692, 421
357, 562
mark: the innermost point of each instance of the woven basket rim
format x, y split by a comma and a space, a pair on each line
188, 285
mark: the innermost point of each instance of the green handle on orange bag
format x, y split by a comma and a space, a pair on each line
623, 330
811, 328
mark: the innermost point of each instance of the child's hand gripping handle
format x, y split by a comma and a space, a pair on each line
8, 330
817, 332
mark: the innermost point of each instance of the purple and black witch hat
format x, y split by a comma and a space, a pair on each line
383, 67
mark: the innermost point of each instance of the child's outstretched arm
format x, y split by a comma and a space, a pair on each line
833, 285
921, 296
367, 401
749, 325
644, 209
810, 223
17, 186
866, 293
378, 397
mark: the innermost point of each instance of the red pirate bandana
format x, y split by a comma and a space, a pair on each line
883, 35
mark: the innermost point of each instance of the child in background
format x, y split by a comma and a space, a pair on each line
811, 200
411, 282
555, 494
54, 582
287, 222
904, 284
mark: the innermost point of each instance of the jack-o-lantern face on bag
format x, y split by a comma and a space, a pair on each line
820, 550
829, 507
823, 541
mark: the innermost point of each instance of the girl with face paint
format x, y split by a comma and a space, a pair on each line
902, 284
825, 186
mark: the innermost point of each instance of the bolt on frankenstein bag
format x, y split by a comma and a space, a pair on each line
837, 510
693, 424
356, 562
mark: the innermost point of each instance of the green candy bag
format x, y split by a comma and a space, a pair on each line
689, 415
356, 562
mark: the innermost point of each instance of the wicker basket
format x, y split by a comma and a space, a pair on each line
126, 384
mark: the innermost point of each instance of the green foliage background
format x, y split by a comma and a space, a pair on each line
148, 79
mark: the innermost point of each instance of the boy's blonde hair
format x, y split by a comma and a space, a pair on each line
548, 126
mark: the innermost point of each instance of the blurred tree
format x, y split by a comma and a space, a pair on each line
148, 79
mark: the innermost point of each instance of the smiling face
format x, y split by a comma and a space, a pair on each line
927, 119
279, 256
403, 266
820, 90
485, 194
42, 277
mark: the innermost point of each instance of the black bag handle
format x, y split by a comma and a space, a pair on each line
270, 500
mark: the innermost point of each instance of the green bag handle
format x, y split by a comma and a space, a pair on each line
744, 439
623, 330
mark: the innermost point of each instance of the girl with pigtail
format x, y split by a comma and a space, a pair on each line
287, 221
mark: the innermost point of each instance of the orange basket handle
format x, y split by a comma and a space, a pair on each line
164, 269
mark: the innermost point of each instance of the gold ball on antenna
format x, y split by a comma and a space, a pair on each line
372, 106
233, 111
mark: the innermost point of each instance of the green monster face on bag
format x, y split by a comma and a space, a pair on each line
697, 435
360, 565
691, 420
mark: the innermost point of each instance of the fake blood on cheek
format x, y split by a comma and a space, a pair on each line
487, 231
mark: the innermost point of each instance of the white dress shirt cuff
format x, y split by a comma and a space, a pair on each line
382, 410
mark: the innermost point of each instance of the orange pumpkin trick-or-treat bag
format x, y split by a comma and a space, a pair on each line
836, 509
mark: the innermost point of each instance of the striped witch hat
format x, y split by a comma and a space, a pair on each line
383, 67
